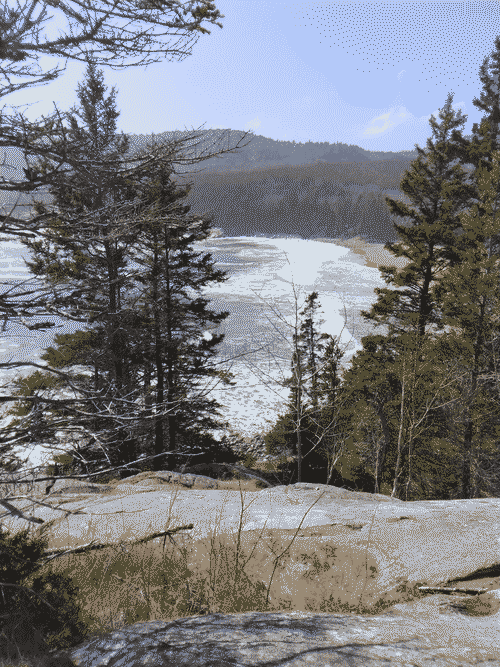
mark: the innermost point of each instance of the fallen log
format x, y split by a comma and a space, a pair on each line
448, 591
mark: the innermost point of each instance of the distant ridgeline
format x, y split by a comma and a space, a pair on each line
276, 188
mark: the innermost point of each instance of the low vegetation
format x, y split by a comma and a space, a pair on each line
162, 579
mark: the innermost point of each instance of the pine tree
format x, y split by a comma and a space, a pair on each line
440, 191
172, 267
56, 149
329, 428
87, 191
470, 301
306, 344
372, 378
485, 140
479, 152
102, 288
373, 391
314, 427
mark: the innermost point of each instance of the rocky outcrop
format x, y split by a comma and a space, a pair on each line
440, 546
225, 471
295, 639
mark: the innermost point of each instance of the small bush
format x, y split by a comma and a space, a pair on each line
43, 617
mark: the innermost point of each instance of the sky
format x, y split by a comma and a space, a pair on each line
363, 73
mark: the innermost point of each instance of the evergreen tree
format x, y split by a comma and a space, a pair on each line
101, 286
306, 344
470, 302
479, 152
440, 191
372, 379
310, 343
313, 429
485, 140
51, 142
420, 421
330, 429
86, 192
373, 388
172, 267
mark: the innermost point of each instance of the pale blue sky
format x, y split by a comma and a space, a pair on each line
364, 73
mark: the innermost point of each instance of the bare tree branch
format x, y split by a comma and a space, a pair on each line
16, 25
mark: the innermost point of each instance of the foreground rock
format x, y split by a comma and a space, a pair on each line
351, 547
349, 534
223, 471
295, 639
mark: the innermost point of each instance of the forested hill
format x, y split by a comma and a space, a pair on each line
309, 190
277, 188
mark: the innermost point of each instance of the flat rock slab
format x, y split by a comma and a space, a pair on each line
429, 542
159, 478
299, 639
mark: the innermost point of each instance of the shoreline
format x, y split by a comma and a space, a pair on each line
373, 254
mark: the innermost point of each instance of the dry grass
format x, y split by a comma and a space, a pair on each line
126, 584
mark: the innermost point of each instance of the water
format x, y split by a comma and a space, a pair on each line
257, 267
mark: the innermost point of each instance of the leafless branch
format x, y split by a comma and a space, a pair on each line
97, 32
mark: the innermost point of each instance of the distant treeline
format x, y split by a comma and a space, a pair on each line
277, 188
309, 200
